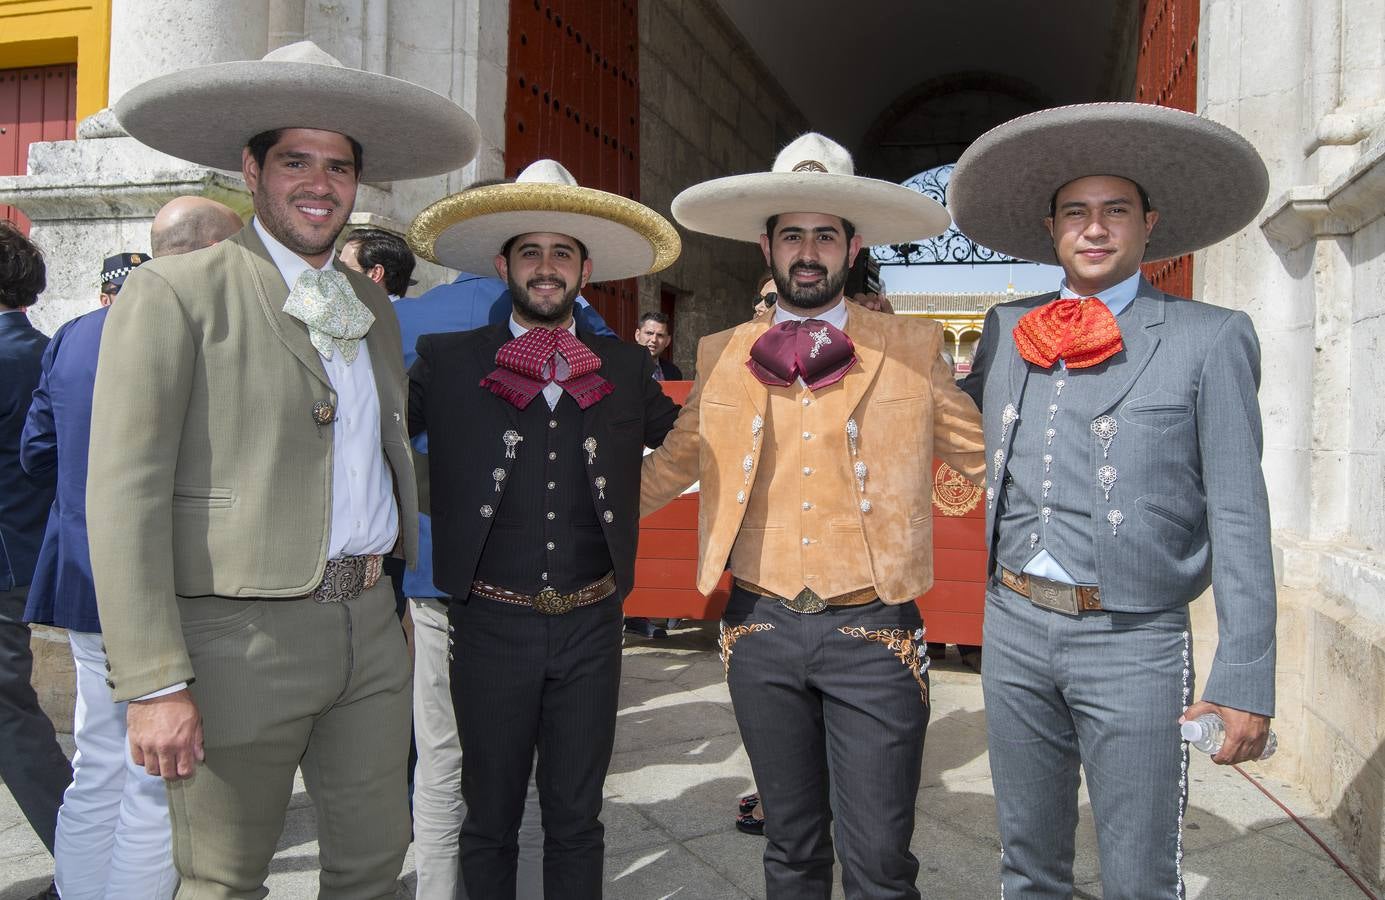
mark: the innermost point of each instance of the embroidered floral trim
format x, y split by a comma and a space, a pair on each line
906, 644
731, 634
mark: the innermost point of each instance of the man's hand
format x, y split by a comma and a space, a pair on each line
877, 302
1246, 732
166, 735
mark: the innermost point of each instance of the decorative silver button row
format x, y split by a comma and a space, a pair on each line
757, 427
853, 433
487, 511
600, 482
861, 471
1058, 387
1052, 411
1048, 462
1115, 517
498, 475
511, 439
589, 445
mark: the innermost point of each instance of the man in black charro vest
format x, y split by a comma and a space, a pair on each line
536, 430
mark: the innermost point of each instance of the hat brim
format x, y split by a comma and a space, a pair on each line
1206, 181
207, 114
737, 206
624, 239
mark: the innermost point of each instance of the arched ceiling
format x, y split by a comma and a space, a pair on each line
907, 84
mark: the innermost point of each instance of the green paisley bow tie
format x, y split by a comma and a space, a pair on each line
336, 318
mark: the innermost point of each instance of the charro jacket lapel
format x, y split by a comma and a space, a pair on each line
869, 339
739, 349
272, 292
1140, 335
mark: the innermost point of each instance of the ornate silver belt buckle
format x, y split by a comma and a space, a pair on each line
551, 603
1060, 598
806, 601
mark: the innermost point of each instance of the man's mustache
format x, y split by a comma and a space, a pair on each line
808, 267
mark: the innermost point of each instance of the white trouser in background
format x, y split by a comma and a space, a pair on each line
113, 840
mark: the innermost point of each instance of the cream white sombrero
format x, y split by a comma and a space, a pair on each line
812, 174
1205, 180
623, 238
207, 114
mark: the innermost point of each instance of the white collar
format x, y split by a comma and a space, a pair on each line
1116, 297
836, 316
289, 264
518, 330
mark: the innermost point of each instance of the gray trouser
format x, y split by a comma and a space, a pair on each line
32, 764
832, 709
1102, 690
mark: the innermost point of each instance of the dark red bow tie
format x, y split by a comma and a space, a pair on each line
528, 363
819, 353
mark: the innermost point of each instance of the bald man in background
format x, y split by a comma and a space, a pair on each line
184, 224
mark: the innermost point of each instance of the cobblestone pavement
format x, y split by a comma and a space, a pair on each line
679, 766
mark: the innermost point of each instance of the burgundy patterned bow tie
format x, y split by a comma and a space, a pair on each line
819, 353
528, 363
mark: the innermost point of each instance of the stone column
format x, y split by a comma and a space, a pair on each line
155, 37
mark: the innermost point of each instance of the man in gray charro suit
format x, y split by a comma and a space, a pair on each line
1123, 440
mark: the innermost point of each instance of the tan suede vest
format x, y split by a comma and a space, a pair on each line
801, 526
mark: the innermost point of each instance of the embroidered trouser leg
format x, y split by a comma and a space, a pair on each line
832, 711
1101, 690
282, 684
113, 838
522, 680
32, 764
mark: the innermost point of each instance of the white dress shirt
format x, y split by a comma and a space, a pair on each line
365, 518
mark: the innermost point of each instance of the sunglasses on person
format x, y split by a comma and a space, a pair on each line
767, 299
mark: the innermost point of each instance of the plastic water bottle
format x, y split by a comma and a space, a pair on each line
1208, 732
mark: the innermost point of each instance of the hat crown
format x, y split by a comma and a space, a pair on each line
302, 52
812, 152
546, 171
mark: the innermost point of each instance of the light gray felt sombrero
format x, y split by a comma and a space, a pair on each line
623, 238
811, 174
1205, 180
206, 114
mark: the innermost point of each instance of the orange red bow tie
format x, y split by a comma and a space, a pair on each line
1081, 332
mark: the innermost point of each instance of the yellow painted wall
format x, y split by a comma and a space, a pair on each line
46, 32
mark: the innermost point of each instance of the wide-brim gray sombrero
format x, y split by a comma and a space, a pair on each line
466, 230
207, 114
1206, 181
813, 174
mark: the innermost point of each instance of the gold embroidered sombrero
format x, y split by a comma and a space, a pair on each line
623, 238
206, 114
1206, 181
813, 174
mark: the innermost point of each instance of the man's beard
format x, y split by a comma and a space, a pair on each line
276, 219
519, 295
812, 296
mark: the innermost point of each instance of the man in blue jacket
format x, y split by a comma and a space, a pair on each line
32, 764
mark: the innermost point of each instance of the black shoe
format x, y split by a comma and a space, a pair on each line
643, 627
48, 893
747, 803
748, 824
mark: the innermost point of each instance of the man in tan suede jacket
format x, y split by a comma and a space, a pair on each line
812, 433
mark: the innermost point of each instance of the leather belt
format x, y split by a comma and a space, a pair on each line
548, 601
1070, 599
347, 578
806, 601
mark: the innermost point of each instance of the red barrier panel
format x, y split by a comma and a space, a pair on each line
666, 567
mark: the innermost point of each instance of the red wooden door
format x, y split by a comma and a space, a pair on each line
574, 96
1166, 75
36, 104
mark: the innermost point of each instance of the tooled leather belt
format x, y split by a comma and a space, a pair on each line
1055, 595
548, 601
806, 601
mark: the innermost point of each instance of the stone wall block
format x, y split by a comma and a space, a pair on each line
54, 677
